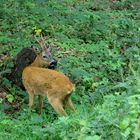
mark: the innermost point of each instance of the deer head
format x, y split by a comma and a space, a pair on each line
45, 57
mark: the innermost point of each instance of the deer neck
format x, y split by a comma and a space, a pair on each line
37, 62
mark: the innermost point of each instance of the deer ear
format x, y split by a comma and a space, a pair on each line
37, 50
48, 47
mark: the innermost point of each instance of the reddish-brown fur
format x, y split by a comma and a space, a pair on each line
46, 82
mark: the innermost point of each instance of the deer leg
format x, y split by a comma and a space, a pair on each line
69, 104
40, 98
31, 100
57, 105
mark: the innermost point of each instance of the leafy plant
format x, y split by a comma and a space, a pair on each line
97, 45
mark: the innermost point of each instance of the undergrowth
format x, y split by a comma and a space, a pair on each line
97, 44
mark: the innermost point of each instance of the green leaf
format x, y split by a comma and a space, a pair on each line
125, 123
10, 98
95, 137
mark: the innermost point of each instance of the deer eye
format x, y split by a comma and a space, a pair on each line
44, 56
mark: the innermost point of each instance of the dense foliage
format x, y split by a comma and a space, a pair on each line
97, 44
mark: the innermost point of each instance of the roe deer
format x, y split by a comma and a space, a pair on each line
47, 82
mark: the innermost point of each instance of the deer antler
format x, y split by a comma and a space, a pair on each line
41, 41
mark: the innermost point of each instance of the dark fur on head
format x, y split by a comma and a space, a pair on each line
23, 59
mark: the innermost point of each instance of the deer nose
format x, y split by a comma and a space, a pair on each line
53, 63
